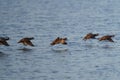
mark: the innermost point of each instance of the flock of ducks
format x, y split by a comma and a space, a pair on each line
27, 40
59, 40
93, 36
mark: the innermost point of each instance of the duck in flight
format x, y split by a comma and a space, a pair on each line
90, 36
59, 40
107, 37
3, 41
26, 41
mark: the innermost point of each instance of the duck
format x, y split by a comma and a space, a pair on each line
90, 36
3, 41
107, 37
26, 41
59, 40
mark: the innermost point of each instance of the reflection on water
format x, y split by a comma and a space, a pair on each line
25, 49
45, 20
2, 54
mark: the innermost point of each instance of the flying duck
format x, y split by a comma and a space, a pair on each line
107, 37
26, 41
90, 36
3, 41
59, 40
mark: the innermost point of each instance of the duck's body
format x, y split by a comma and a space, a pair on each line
90, 36
26, 41
107, 37
3, 41
59, 40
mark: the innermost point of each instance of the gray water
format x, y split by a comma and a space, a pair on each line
47, 19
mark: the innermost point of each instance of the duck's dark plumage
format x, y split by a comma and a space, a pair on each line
59, 40
3, 41
107, 37
90, 36
26, 41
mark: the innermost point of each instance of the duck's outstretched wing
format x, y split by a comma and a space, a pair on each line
3, 42
28, 42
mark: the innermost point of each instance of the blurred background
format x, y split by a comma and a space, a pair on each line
47, 19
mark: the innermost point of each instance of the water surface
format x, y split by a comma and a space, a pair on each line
47, 19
